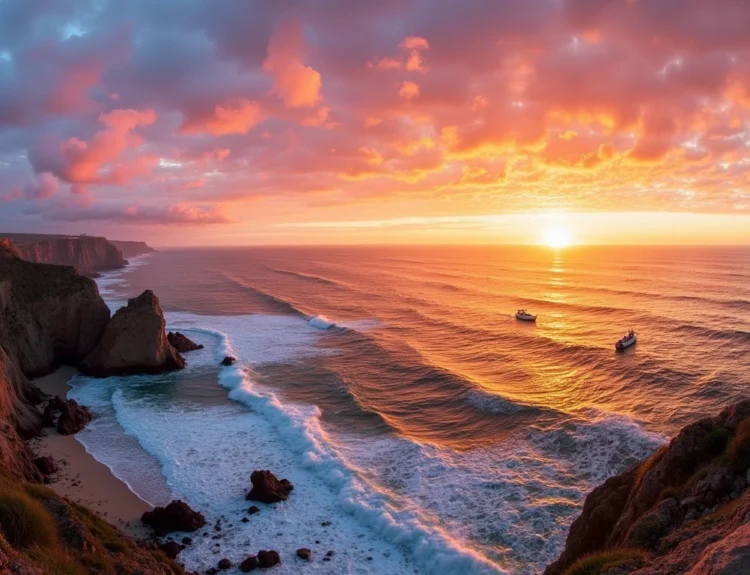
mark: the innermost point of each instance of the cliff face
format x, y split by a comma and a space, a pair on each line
48, 315
87, 254
132, 249
666, 515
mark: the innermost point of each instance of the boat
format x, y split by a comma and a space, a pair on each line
627, 340
523, 315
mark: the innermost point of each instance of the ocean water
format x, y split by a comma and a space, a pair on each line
424, 428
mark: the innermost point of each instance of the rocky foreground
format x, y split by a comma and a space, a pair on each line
51, 315
684, 510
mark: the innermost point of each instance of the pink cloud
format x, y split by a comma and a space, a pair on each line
297, 85
237, 117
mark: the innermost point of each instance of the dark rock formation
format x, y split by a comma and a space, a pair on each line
73, 417
267, 488
268, 559
66, 415
46, 465
134, 342
252, 510
177, 516
228, 360
654, 506
249, 564
224, 564
171, 549
304, 553
49, 315
181, 343
132, 249
87, 254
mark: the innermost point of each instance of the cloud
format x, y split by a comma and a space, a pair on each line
297, 85
292, 106
177, 214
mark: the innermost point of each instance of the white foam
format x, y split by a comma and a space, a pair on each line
321, 322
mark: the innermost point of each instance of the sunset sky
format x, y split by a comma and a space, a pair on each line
337, 121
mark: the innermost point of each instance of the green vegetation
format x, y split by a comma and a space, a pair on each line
30, 532
597, 563
25, 522
738, 450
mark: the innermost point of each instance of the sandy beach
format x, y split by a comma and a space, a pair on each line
82, 478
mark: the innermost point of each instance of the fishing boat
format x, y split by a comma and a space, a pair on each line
626, 340
523, 315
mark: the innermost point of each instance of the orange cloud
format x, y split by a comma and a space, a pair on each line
408, 90
238, 117
297, 85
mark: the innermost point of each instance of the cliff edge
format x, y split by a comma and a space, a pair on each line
685, 509
132, 249
88, 254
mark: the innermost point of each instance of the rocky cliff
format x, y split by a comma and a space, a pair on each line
49, 315
88, 254
132, 249
686, 509
134, 342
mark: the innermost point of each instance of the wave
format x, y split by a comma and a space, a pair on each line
273, 302
304, 276
430, 548
732, 335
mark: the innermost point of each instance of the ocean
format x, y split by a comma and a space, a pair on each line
424, 428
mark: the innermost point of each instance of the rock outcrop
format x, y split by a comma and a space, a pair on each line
66, 415
132, 249
177, 516
181, 343
267, 488
134, 342
675, 505
49, 315
88, 254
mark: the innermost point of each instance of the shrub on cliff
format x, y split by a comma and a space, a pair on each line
598, 563
24, 521
739, 447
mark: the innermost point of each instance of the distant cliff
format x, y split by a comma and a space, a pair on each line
88, 254
684, 510
132, 249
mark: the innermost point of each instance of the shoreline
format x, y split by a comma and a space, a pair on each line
81, 477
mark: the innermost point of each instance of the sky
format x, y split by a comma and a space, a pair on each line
399, 121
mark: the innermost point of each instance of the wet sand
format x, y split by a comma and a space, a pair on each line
82, 478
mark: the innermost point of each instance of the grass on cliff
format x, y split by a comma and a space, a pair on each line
28, 528
597, 563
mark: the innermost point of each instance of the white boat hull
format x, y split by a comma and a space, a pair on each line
626, 344
525, 317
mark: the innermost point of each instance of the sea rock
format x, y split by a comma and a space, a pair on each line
134, 342
46, 465
268, 559
73, 417
171, 549
181, 343
267, 488
249, 564
228, 360
252, 510
224, 564
304, 553
177, 516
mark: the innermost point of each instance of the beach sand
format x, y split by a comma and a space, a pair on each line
82, 478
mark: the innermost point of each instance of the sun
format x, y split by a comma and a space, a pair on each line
557, 238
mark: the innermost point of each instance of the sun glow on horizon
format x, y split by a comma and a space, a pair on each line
557, 237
